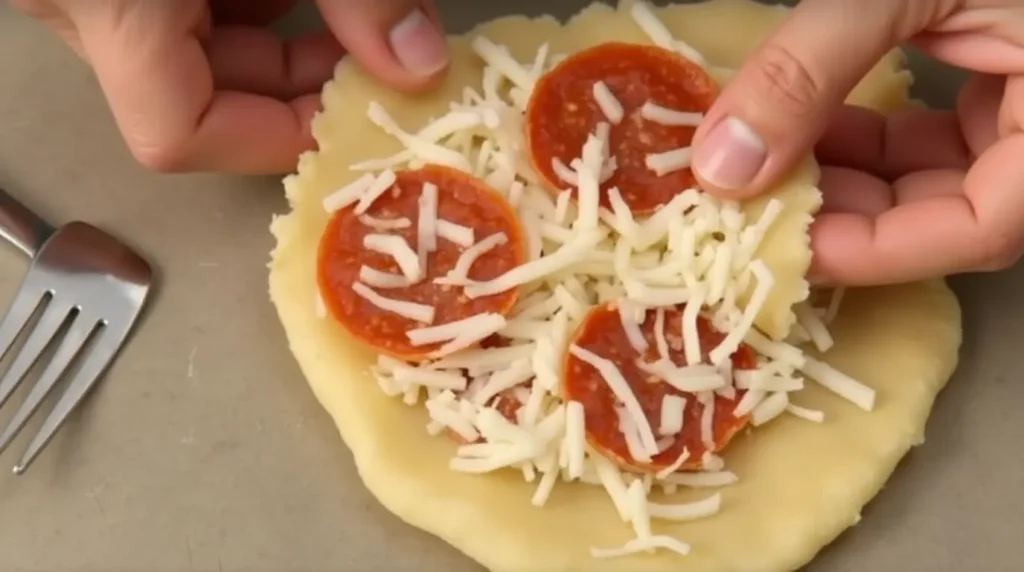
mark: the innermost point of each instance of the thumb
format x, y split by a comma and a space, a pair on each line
772, 113
402, 42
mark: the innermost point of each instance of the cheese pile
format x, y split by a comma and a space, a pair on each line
695, 250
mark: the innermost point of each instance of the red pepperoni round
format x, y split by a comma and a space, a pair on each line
463, 200
563, 111
602, 333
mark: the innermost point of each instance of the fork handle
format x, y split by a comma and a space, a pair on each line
20, 226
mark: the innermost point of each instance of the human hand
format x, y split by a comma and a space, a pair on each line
198, 85
916, 195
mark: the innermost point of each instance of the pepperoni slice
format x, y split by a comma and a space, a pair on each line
563, 111
463, 200
601, 332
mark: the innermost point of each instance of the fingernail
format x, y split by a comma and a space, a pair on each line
731, 155
418, 44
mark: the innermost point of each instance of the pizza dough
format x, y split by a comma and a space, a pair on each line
801, 484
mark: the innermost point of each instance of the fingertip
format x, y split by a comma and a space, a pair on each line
402, 43
728, 157
419, 45
831, 256
306, 109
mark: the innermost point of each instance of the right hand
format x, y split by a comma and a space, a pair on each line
916, 195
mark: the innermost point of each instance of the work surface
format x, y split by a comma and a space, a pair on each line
204, 449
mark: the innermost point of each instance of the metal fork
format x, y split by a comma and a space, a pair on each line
87, 288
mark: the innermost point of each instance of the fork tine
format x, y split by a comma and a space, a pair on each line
25, 302
51, 320
70, 346
100, 356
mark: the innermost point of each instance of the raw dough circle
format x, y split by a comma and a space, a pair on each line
800, 485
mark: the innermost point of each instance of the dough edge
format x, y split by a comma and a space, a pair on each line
466, 502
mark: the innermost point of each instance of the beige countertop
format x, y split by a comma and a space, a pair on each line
204, 450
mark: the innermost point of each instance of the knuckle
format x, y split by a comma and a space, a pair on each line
783, 79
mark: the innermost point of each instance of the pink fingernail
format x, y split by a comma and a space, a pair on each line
731, 155
418, 44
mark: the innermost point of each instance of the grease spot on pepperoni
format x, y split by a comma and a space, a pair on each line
601, 332
562, 112
462, 199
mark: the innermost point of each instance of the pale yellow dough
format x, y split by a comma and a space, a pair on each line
801, 484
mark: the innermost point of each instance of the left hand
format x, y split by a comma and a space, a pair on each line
203, 85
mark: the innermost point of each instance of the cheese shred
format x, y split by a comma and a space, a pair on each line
421, 313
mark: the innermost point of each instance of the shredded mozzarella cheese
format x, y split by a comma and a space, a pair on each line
499, 59
688, 511
426, 223
451, 380
460, 273
732, 341
770, 408
630, 325
518, 373
416, 312
815, 327
385, 223
348, 194
652, 26
455, 233
399, 250
588, 177
839, 383
807, 414
690, 333
707, 420
549, 264
620, 387
606, 101
384, 280
482, 329
834, 302
675, 466
380, 185
673, 409
575, 438
563, 172
669, 161
452, 330
670, 117
421, 148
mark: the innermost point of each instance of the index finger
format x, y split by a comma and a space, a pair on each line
160, 87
